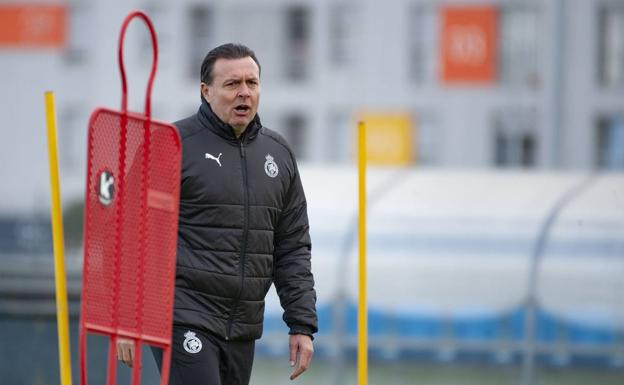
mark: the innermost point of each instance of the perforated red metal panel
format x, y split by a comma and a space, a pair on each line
130, 243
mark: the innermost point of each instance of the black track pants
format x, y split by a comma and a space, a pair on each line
199, 358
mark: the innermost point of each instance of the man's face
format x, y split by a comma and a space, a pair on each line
235, 91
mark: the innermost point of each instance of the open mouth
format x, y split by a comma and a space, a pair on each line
243, 109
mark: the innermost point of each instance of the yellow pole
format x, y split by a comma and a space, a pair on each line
62, 318
362, 307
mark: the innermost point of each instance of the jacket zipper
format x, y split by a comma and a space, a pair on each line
244, 242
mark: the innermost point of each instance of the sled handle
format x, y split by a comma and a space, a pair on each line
150, 82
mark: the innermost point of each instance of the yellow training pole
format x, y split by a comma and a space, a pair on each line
362, 308
62, 318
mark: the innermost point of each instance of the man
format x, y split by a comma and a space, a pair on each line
243, 225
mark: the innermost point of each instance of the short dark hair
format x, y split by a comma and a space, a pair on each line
226, 51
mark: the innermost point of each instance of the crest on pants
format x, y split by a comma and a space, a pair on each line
192, 344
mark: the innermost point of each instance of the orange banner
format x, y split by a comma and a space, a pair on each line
468, 44
32, 26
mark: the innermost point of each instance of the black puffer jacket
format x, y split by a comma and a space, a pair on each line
243, 225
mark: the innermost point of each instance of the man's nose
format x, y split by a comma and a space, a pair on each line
244, 90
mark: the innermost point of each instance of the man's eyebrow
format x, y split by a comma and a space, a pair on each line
239, 79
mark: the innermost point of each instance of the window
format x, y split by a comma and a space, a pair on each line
428, 138
72, 137
298, 42
610, 142
515, 139
422, 41
518, 51
339, 142
343, 24
79, 38
156, 13
611, 64
201, 34
294, 130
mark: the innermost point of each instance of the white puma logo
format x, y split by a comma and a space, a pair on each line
208, 156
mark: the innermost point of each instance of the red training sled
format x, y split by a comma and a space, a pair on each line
130, 227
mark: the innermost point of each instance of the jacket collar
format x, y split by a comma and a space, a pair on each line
211, 121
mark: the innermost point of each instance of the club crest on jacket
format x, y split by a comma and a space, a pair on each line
270, 167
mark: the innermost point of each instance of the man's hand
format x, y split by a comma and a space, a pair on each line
301, 351
125, 351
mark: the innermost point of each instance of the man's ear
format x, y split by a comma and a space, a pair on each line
205, 90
